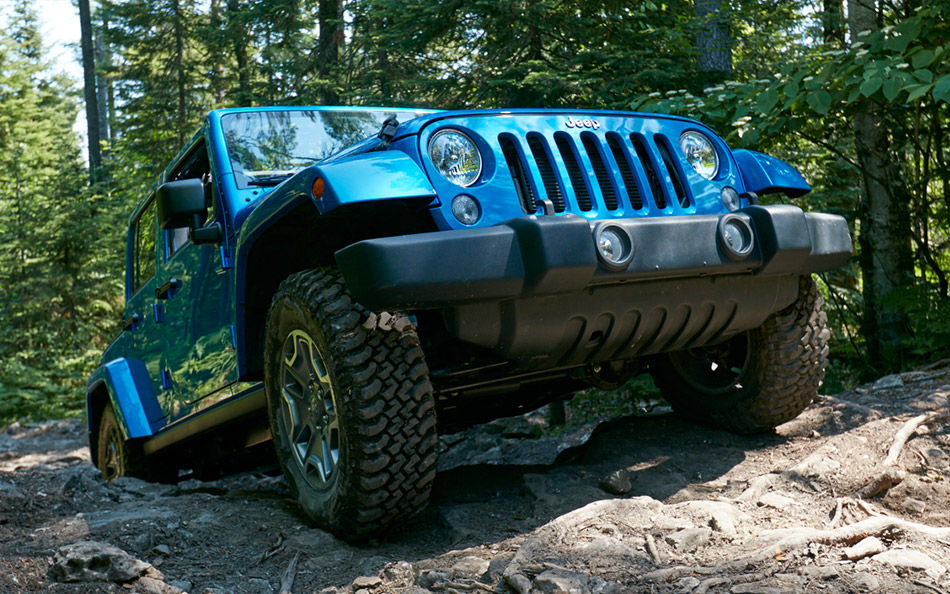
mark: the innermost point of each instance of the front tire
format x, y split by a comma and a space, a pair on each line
758, 379
350, 406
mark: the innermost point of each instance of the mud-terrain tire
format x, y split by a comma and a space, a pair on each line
756, 380
350, 406
117, 457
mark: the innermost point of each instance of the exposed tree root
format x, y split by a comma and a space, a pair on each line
848, 535
798, 538
887, 475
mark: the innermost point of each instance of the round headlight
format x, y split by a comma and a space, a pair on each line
700, 153
466, 209
456, 157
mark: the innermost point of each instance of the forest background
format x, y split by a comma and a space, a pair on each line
855, 93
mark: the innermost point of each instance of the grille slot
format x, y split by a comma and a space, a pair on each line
592, 145
539, 149
626, 170
565, 146
674, 171
659, 198
518, 174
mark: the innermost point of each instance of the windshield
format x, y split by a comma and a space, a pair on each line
267, 147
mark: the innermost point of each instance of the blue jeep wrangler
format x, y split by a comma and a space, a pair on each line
349, 282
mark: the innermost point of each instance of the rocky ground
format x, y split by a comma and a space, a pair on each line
853, 496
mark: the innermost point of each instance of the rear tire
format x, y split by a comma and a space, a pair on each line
350, 406
116, 456
756, 380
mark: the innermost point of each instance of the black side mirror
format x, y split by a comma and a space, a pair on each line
182, 203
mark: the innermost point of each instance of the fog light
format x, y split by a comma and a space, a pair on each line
466, 209
730, 199
614, 246
735, 236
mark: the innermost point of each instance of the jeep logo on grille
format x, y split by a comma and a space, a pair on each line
585, 123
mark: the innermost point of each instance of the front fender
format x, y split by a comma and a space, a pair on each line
763, 174
130, 391
381, 175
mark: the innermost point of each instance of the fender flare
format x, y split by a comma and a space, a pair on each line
764, 174
129, 389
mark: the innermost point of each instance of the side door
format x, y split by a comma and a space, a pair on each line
147, 339
193, 293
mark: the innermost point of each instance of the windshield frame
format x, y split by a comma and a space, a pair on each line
265, 178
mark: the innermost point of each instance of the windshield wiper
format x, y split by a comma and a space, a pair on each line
269, 180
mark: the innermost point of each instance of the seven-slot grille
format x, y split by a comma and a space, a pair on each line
588, 171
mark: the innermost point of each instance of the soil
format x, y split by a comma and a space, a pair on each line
643, 503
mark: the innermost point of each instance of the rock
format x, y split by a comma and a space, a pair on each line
888, 382
88, 561
181, 585
367, 581
433, 579
914, 505
310, 540
138, 487
257, 586
689, 539
599, 585
518, 582
775, 500
758, 486
470, 567
911, 559
687, 584
149, 585
819, 572
865, 581
399, 573
817, 464
555, 582
721, 516
162, 549
867, 547
498, 564
617, 482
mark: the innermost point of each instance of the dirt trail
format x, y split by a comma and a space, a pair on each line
647, 504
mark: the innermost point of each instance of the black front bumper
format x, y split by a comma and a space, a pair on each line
532, 256
534, 289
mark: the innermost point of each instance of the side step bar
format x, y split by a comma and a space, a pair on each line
248, 402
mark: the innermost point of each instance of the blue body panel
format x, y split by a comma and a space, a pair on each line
382, 175
763, 174
133, 399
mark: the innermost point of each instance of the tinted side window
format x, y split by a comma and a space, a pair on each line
143, 256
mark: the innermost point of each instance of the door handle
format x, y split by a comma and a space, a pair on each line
167, 289
131, 323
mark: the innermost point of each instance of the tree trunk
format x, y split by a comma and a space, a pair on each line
239, 46
886, 257
102, 101
832, 22
217, 71
89, 89
180, 70
713, 38
330, 13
